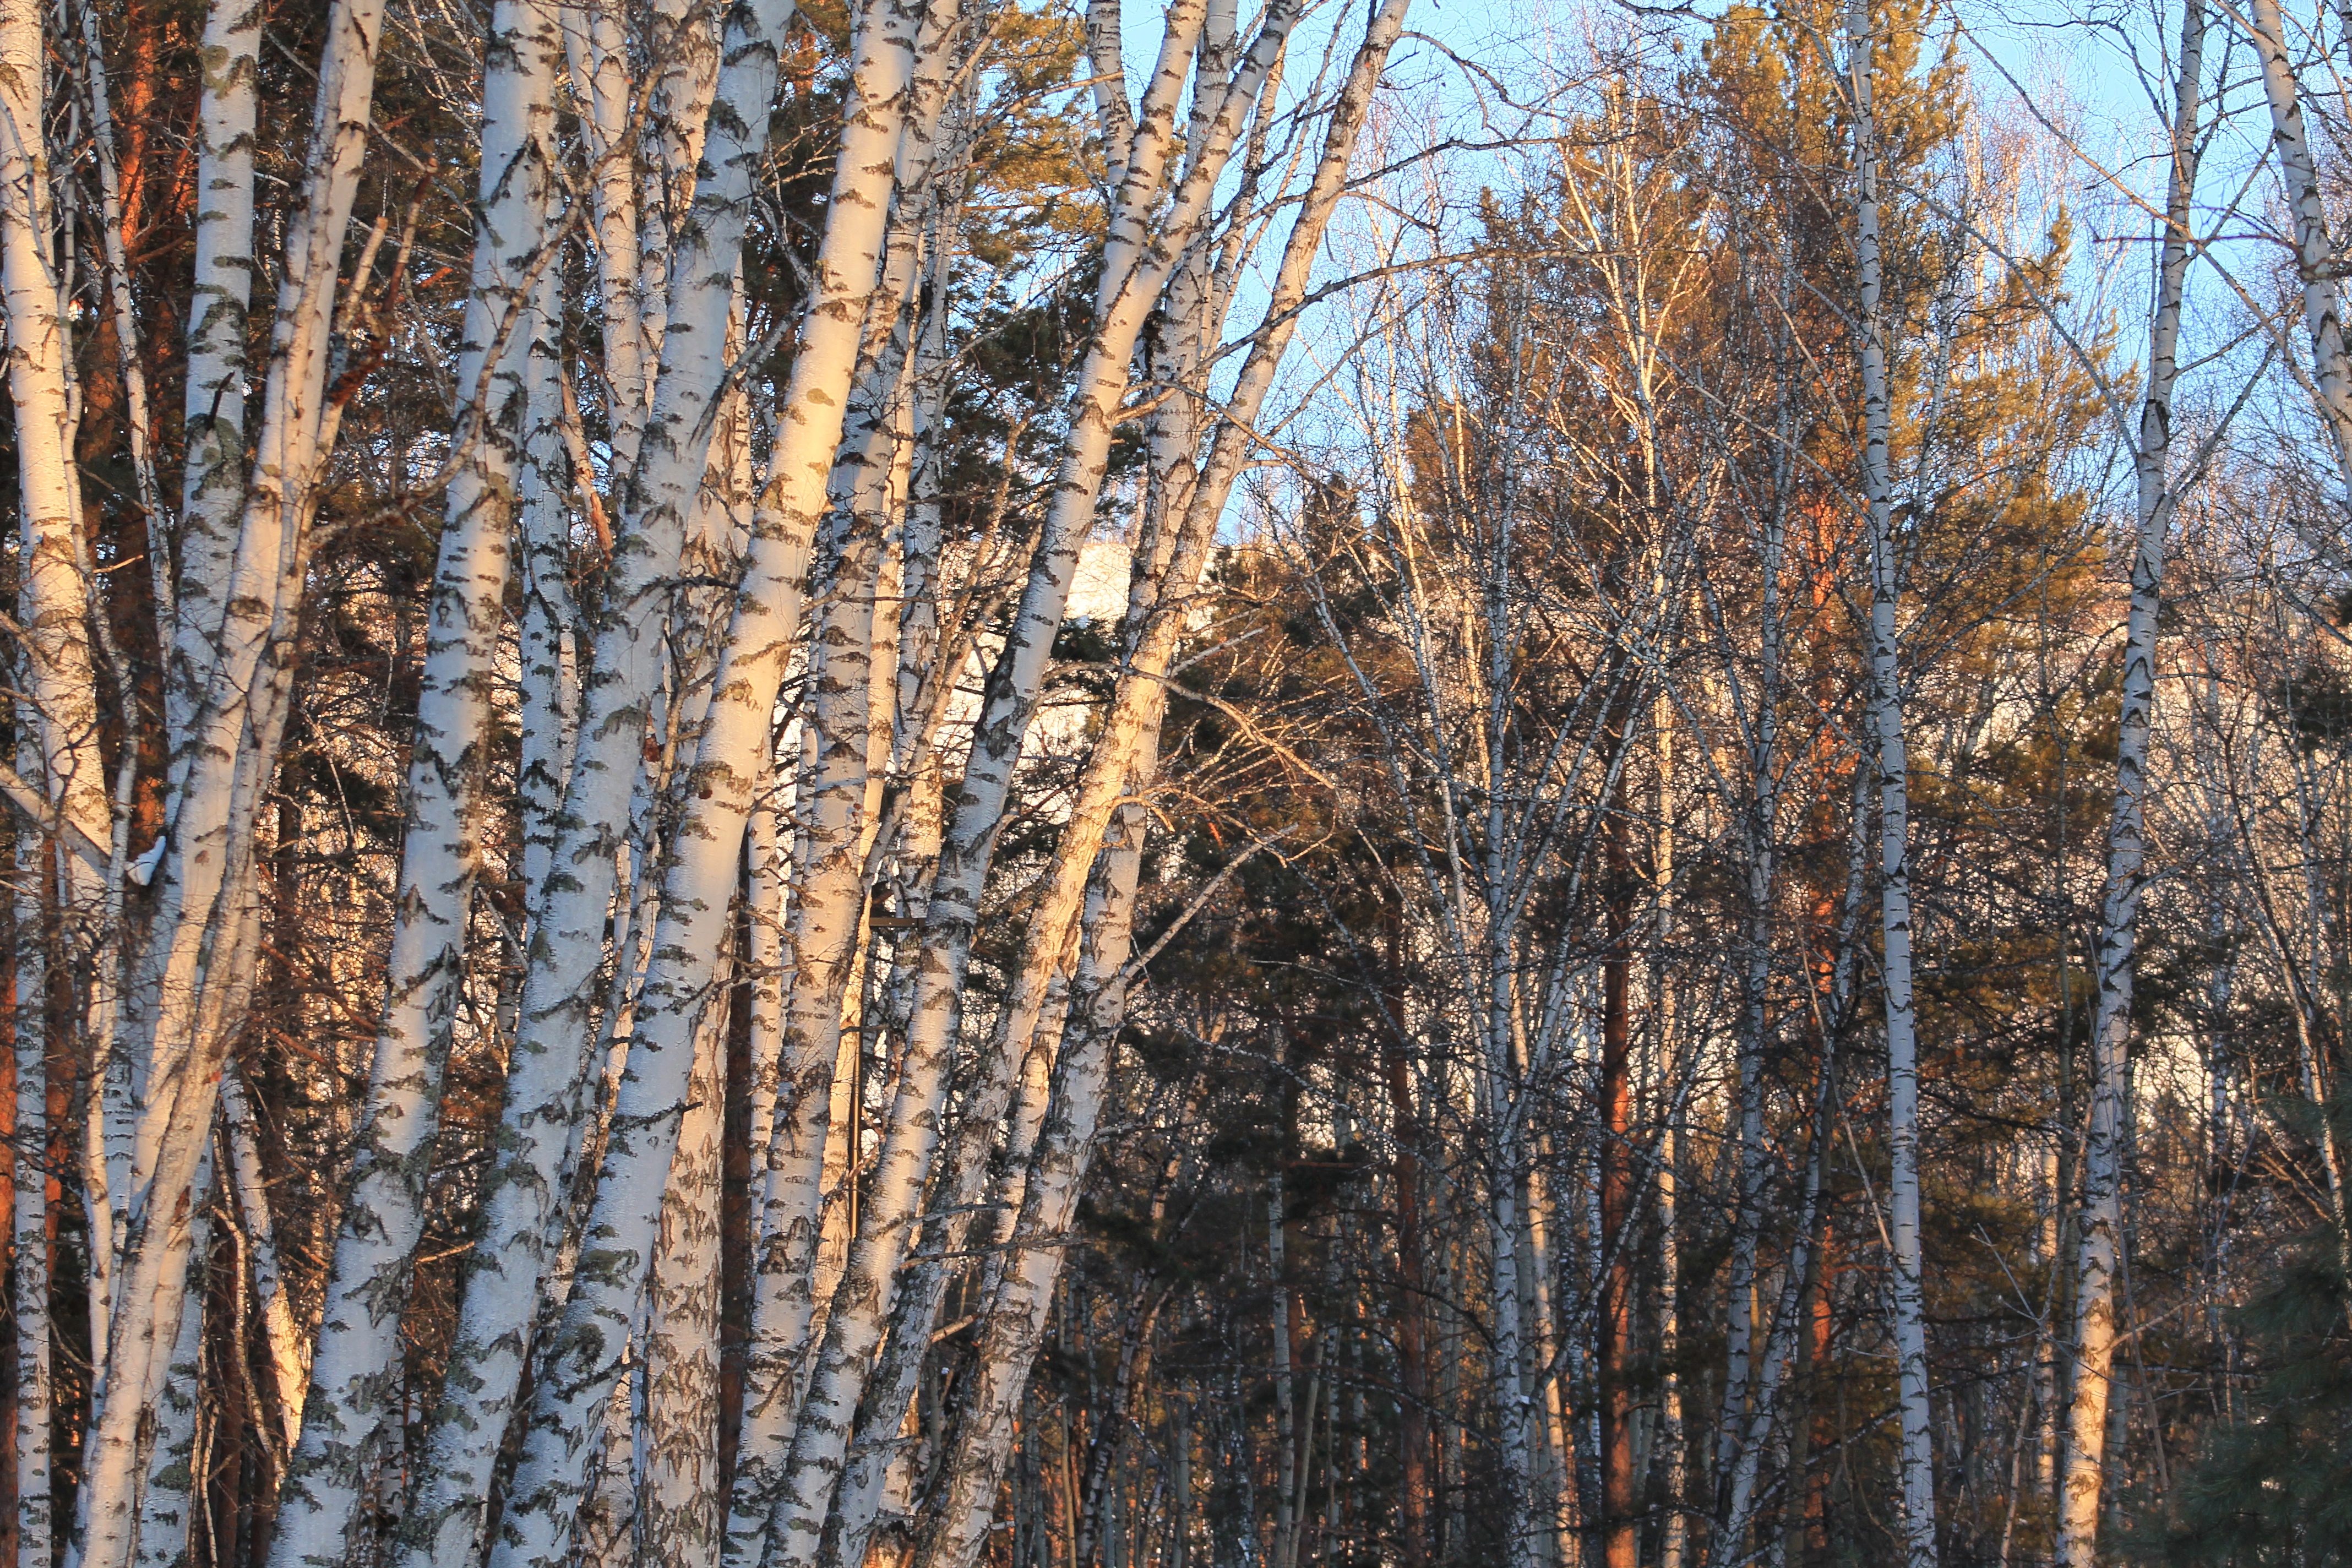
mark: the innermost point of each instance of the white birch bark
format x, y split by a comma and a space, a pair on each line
596, 51
546, 638
289, 1364
1138, 263
30, 1269
356, 1374
213, 476
1780, 1348
1016, 1317
2084, 1439
2315, 257
678, 1501
194, 980
608, 1519
1917, 1497
729, 762
555, 1028
53, 652
57, 710
58, 666
1125, 759
769, 872
164, 1235
166, 1502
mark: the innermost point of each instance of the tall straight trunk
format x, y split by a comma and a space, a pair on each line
1730, 1546
596, 51
1750, 1156
54, 663
2083, 1443
853, 689
222, 757
1414, 1483
1284, 1551
1665, 1053
57, 666
356, 1375
1918, 1495
547, 630
1014, 1322
192, 983
1498, 1078
172, 1490
549, 1062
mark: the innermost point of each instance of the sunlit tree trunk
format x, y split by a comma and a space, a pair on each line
2100, 1231
550, 1065
729, 762
2314, 255
172, 1489
1138, 257
29, 1269
355, 1375
1918, 1496
213, 480
1125, 759
679, 1501
56, 741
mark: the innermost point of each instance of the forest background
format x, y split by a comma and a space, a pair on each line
922, 782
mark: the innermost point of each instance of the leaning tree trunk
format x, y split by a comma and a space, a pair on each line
1124, 761
550, 1060
2315, 257
729, 762
1141, 250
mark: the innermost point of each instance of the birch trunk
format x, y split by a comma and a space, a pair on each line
59, 705
810, 1177
1762, 835
1014, 1320
213, 476
54, 655
729, 763
1917, 1499
2315, 257
30, 1267
356, 1374
679, 1502
194, 980
167, 1500
1137, 259
2083, 1441
288, 1356
1125, 760
546, 638
546, 1073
